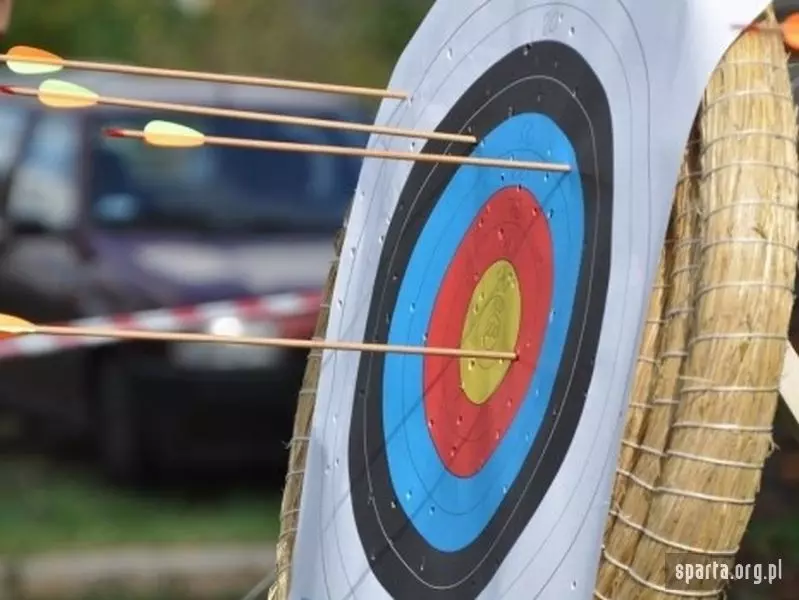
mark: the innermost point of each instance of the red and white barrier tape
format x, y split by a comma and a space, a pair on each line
277, 307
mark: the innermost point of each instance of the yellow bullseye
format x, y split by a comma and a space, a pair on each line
492, 323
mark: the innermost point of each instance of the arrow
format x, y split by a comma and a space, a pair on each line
788, 28
27, 60
12, 326
173, 135
62, 94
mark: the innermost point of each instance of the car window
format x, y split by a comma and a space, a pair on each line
45, 189
13, 121
132, 184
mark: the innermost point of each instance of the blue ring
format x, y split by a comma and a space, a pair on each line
440, 505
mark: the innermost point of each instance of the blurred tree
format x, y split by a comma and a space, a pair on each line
380, 29
389, 24
354, 41
78, 27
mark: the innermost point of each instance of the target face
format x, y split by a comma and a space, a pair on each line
453, 456
433, 477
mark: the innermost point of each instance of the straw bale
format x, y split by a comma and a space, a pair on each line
693, 487
306, 402
642, 458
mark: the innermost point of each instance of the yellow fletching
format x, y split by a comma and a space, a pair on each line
62, 94
11, 326
790, 31
23, 60
172, 135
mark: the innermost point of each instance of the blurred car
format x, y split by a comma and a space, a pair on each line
98, 226
15, 122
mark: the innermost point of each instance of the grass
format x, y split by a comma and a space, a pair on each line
116, 594
45, 508
776, 538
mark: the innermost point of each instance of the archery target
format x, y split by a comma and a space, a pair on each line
477, 258
434, 477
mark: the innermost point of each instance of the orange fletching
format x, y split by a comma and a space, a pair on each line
27, 60
11, 326
790, 31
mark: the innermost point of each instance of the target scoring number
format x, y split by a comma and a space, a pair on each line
449, 459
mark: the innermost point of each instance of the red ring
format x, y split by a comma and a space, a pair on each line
511, 226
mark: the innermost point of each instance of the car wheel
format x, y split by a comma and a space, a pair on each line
119, 433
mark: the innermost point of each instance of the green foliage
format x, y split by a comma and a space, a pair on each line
391, 23
166, 593
76, 28
47, 507
355, 41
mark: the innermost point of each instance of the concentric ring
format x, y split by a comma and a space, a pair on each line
510, 229
552, 81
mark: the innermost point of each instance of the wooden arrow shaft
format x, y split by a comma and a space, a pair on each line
309, 86
251, 115
364, 152
127, 334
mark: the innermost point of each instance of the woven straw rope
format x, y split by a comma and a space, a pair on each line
298, 449
699, 424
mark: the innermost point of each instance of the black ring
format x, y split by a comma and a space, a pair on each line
549, 78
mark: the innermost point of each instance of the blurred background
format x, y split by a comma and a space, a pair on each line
154, 472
